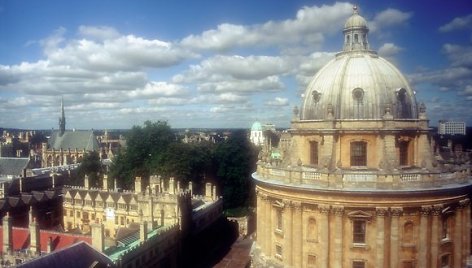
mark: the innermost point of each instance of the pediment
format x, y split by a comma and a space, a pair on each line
359, 214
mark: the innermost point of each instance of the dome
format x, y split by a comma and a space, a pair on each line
256, 126
358, 84
355, 21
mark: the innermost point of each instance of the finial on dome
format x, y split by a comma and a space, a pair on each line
355, 9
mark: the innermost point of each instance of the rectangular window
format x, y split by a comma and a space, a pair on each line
78, 214
71, 213
278, 250
279, 219
403, 147
358, 232
445, 261
311, 261
314, 152
358, 153
358, 264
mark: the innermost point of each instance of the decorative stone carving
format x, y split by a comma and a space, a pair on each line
338, 210
396, 211
425, 210
437, 210
381, 212
323, 208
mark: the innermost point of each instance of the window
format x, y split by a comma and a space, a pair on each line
403, 147
99, 204
278, 251
312, 230
358, 264
314, 152
78, 214
71, 213
358, 153
408, 230
445, 261
356, 38
358, 232
446, 227
311, 261
279, 219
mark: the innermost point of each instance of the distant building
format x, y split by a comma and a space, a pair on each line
257, 135
66, 147
356, 183
451, 128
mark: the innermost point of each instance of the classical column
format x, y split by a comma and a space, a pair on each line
435, 236
269, 228
465, 204
394, 248
423, 243
458, 237
338, 237
323, 235
287, 221
259, 214
297, 234
380, 250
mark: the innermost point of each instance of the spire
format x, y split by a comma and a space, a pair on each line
62, 119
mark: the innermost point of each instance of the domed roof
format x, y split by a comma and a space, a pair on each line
355, 21
358, 84
256, 126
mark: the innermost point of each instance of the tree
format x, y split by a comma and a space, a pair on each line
90, 166
236, 159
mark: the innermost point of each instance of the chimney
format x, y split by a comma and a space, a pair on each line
208, 190
190, 187
7, 233
35, 240
115, 185
137, 185
86, 182
98, 241
171, 186
49, 244
105, 182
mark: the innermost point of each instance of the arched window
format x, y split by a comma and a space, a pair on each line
312, 230
314, 152
356, 38
358, 153
348, 39
408, 232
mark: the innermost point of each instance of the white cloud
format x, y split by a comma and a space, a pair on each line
271, 83
388, 50
98, 32
457, 24
278, 101
389, 18
158, 89
309, 26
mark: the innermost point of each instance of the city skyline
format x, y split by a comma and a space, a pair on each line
213, 63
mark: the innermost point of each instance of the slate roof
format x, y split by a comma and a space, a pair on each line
13, 165
79, 139
77, 255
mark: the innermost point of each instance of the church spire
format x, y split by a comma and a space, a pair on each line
62, 119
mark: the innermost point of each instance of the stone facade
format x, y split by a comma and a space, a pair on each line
353, 191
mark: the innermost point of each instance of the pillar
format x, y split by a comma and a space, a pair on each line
137, 185
394, 228
35, 241
466, 228
269, 227
190, 187
171, 186
259, 216
105, 182
423, 243
297, 234
287, 222
7, 233
86, 182
323, 235
458, 237
338, 237
435, 229
143, 231
98, 241
380, 241
208, 190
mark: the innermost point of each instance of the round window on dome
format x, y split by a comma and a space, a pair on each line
358, 94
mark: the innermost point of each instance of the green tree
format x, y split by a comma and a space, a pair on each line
236, 158
90, 166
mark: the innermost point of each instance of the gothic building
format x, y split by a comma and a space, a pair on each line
357, 184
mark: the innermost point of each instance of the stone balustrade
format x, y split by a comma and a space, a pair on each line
363, 179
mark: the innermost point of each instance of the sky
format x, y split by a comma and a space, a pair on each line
213, 64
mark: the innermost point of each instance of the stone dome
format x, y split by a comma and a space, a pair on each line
256, 126
358, 84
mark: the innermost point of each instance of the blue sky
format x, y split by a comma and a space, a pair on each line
214, 64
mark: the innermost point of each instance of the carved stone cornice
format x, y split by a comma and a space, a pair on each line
425, 210
381, 211
297, 205
324, 209
396, 211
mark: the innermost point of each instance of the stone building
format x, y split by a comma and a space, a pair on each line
358, 185
66, 147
